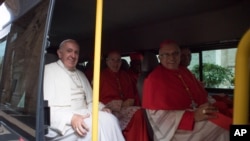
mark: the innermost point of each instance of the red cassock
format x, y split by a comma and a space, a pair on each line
134, 76
166, 89
119, 86
136, 130
116, 86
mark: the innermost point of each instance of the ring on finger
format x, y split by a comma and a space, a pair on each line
204, 111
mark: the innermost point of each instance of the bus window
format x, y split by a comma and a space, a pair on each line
2, 51
133, 26
127, 58
194, 61
217, 67
21, 72
224, 63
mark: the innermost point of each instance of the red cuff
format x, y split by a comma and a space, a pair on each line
187, 121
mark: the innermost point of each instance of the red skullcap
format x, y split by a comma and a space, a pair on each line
167, 42
136, 56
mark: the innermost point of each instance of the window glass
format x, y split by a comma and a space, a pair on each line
218, 68
2, 51
127, 58
5, 16
194, 60
125, 62
158, 57
20, 72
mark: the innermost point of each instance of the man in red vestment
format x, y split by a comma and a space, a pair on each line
176, 103
118, 93
219, 100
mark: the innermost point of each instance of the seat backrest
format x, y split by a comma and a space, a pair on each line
149, 62
49, 58
125, 65
46, 116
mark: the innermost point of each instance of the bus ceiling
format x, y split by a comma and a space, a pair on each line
143, 24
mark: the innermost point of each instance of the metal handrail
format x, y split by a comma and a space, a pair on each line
241, 91
97, 60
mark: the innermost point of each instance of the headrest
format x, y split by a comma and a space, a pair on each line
125, 65
149, 62
49, 58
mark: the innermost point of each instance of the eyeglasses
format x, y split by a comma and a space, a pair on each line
174, 54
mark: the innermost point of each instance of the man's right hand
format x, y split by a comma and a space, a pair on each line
78, 124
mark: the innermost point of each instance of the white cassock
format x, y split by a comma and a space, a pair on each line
68, 93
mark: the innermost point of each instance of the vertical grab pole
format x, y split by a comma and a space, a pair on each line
241, 91
97, 59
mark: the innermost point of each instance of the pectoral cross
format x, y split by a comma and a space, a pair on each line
193, 105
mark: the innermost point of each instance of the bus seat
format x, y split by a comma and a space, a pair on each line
49, 58
89, 70
46, 116
149, 62
125, 65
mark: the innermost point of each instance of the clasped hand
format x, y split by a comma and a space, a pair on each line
128, 102
204, 112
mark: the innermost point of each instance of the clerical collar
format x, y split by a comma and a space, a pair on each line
72, 74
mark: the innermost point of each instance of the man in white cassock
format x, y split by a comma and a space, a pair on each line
69, 96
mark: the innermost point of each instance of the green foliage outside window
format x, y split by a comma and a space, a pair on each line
214, 75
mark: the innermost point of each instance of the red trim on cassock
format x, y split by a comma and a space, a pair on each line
136, 130
187, 121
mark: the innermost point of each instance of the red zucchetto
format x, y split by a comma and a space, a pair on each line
167, 42
136, 56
